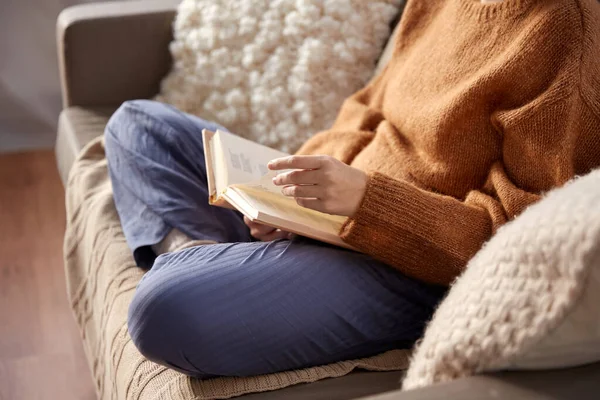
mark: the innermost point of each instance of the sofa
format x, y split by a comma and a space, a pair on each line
116, 51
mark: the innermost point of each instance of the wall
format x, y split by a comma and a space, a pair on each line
29, 87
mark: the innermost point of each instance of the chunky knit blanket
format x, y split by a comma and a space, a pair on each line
529, 298
274, 71
101, 280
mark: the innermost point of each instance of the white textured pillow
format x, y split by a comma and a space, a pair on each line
274, 71
529, 299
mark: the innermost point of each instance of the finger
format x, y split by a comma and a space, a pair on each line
303, 191
299, 176
253, 225
297, 162
277, 234
260, 230
256, 225
314, 204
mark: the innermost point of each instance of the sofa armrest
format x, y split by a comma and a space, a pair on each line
114, 51
558, 384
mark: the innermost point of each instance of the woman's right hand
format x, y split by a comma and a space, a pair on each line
265, 233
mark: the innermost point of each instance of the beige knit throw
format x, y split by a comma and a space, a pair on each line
528, 299
101, 280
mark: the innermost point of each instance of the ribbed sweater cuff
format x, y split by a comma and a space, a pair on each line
386, 199
424, 235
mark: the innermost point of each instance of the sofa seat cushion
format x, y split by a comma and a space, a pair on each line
101, 280
77, 126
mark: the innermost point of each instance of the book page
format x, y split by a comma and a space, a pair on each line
246, 161
220, 169
265, 184
286, 208
271, 210
209, 154
243, 181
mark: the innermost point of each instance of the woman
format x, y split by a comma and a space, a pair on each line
482, 108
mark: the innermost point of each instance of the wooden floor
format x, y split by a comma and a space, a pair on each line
41, 356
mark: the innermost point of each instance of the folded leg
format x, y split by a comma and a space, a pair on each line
254, 308
157, 169
240, 307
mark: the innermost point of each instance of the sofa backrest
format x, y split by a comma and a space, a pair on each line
387, 51
389, 47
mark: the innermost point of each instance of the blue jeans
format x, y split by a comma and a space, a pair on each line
241, 307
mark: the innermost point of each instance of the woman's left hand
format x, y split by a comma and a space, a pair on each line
322, 183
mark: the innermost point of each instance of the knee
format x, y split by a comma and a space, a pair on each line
125, 126
161, 330
152, 317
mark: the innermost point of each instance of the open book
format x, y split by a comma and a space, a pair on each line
238, 178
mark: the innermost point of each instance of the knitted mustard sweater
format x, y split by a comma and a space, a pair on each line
482, 108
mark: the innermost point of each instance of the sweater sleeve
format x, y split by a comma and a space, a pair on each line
355, 124
431, 237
